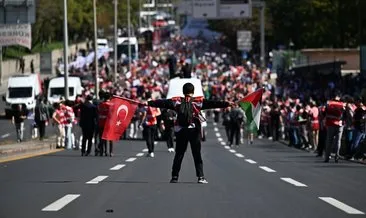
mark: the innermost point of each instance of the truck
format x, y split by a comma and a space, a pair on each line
56, 89
24, 90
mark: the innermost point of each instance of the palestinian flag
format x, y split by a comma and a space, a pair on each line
251, 104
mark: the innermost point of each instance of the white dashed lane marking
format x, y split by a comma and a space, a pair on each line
294, 182
239, 155
223, 143
5, 135
227, 147
216, 129
97, 180
341, 206
220, 139
131, 159
60, 203
218, 134
139, 154
232, 150
145, 150
118, 167
250, 161
267, 169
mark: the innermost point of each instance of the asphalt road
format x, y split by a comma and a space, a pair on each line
265, 179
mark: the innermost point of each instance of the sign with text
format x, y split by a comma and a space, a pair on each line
205, 8
244, 40
16, 34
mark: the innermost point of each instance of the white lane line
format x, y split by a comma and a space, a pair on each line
216, 129
341, 206
223, 143
131, 159
220, 139
139, 154
118, 167
5, 135
97, 180
145, 150
232, 150
227, 147
218, 134
215, 124
294, 182
239, 155
250, 161
155, 143
60, 203
267, 169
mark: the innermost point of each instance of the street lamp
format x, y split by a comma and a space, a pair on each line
115, 40
66, 47
96, 49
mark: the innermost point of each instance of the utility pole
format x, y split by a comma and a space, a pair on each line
66, 48
1, 65
262, 6
140, 20
96, 49
129, 34
115, 39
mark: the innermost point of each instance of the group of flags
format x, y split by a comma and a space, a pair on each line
122, 110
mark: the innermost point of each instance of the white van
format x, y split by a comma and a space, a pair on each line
56, 89
122, 47
22, 89
102, 43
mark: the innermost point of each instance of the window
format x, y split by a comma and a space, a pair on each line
60, 91
20, 92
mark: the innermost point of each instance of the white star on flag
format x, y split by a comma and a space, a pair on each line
118, 123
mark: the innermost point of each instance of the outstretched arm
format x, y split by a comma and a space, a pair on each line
168, 104
210, 104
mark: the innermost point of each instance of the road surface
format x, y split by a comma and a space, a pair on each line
265, 179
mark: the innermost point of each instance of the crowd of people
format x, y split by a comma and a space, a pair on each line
294, 109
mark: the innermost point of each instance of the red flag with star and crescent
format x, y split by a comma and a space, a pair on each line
119, 117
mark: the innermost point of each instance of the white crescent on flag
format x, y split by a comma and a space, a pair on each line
122, 107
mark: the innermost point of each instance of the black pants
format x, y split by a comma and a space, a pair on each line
275, 131
322, 141
234, 132
103, 144
149, 135
88, 134
169, 137
42, 129
193, 136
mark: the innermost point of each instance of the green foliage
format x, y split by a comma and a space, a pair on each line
307, 23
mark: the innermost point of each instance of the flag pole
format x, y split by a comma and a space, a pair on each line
127, 99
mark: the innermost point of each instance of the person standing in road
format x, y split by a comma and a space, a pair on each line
334, 115
32, 66
19, 115
59, 119
150, 126
88, 122
359, 129
103, 109
168, 118
41, 117
188, 127
236, 121
69, 121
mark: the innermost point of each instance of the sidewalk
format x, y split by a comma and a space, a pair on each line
16, 151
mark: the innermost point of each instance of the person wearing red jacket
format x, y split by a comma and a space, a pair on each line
103, 109
189, 131
334, 115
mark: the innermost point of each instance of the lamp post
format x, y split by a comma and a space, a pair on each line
115, 39
95, 49
129, 34
66, 47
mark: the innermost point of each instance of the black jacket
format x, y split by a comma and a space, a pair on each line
88, 115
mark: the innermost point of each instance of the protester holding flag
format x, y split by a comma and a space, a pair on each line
251, 104
103, 110
188, 126
88, 122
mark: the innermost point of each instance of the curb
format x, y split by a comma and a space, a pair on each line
283, 142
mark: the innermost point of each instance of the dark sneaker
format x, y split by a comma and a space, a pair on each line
174, 179
202, 180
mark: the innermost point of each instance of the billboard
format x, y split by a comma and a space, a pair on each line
244, 40
216, 9
17, 11
16, 34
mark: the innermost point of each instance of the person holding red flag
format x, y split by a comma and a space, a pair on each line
119, 117
188, 126
103, 109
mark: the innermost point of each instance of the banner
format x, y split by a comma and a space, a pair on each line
16, 34
218, 9
205, 8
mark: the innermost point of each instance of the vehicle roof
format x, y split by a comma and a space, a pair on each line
133, 40
21, 80
176, 87
60, 81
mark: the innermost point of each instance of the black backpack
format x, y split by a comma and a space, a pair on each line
185, 113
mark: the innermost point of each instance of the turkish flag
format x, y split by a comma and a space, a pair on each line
119, 117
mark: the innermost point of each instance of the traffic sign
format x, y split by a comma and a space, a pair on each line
244, 40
